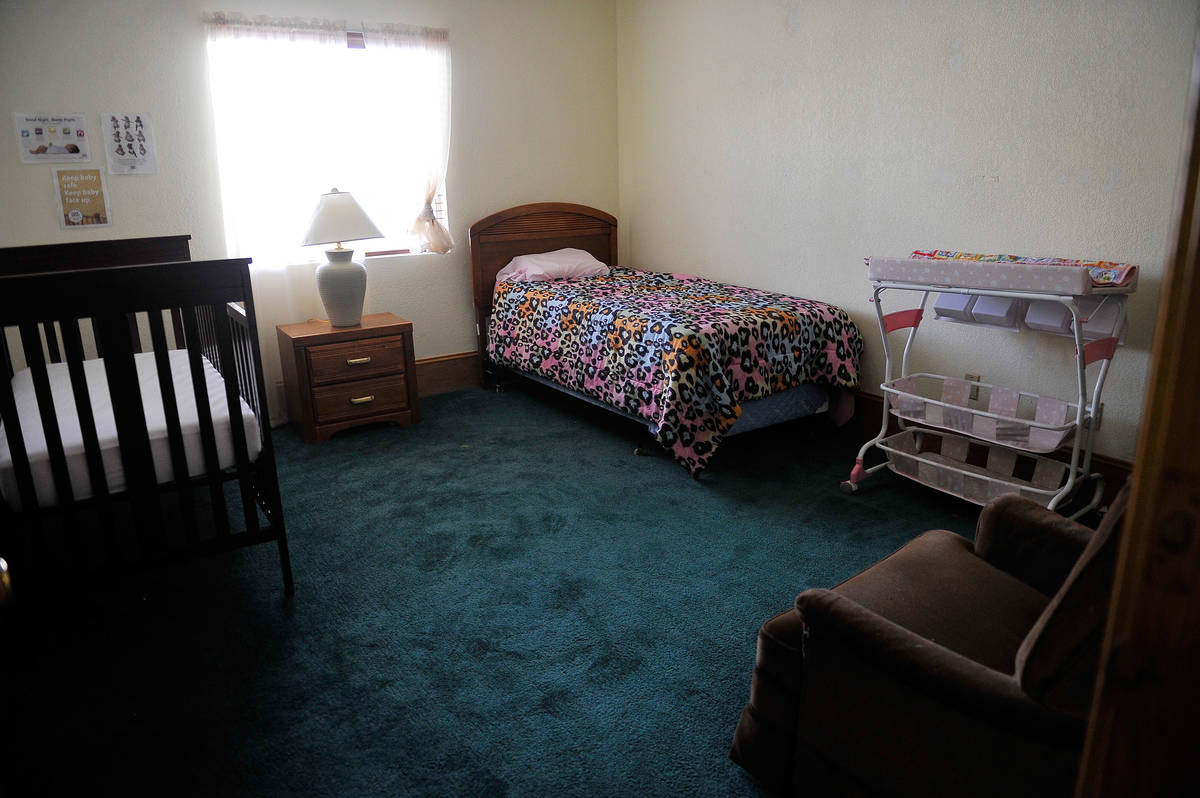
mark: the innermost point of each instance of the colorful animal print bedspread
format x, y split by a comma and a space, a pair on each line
681, 352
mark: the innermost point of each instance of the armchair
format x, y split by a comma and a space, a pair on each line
948, 668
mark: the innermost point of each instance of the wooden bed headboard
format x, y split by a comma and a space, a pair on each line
526, 230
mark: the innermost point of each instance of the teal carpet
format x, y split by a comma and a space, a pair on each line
502, 599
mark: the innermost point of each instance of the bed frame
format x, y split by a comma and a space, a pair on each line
547, 226
67, 303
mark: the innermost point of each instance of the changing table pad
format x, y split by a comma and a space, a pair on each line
1005, 273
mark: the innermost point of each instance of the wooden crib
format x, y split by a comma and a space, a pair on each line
126, 440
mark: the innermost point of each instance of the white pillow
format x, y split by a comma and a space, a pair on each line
561, 264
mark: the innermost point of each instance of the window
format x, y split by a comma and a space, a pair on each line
303, 106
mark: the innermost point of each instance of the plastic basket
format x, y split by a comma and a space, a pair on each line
1006, 416
972, 470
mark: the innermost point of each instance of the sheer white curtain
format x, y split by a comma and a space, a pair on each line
298, 112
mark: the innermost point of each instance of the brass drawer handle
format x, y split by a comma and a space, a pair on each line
358, 361
362, 400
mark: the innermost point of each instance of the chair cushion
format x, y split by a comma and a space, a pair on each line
939, 589
1056, 664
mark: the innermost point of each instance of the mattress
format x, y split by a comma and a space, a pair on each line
1056, 276
106, 429
681, 353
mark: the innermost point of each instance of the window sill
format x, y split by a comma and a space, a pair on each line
385, 252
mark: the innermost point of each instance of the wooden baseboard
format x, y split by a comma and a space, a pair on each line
447, 373
868, 415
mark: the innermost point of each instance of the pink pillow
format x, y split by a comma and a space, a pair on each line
561, 264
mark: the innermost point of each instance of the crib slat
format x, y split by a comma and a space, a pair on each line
135, 335
8, 369
177, 327
32, 341
237, 426
16, 443
241, 359
166, 386
210, 337
246, 369
130, 416
266, 475
212, 465
52, 342
206, 337
73, 347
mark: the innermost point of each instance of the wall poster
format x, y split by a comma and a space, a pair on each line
129, 143
82, 197
44, 138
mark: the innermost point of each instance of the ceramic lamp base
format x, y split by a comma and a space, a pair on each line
342, 284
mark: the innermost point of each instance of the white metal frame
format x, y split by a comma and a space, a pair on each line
1086, 412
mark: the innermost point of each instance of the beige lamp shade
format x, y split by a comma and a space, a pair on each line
339, 218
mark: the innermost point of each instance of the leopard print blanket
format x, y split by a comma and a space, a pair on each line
681, 352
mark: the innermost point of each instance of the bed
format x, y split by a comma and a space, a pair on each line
111, 455
694, 360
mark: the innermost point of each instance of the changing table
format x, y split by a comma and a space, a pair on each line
976, 440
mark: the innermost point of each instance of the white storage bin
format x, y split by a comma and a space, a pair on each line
940, 460
954, 306
1101, 314
1047, 316
997, 311
1017, 419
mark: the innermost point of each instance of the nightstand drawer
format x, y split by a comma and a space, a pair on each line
359, 399
354, 360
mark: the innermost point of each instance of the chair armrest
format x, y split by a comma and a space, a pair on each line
1036, 545
925, 666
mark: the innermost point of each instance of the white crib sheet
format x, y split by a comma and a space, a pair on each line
106, 428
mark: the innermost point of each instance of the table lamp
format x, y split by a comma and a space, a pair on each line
341, 282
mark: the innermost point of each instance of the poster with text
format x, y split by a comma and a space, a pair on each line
44, 138
82, 197
129, 143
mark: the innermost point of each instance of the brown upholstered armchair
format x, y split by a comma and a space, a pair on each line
945, 669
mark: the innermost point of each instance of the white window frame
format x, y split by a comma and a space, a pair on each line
300, 107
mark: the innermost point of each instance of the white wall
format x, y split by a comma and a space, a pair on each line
772, 143
534, 104
775, 144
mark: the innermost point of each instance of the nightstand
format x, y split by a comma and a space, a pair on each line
340, 377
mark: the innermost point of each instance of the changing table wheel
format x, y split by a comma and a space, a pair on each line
857, 475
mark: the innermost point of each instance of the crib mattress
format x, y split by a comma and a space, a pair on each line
1041, 278
106, 428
